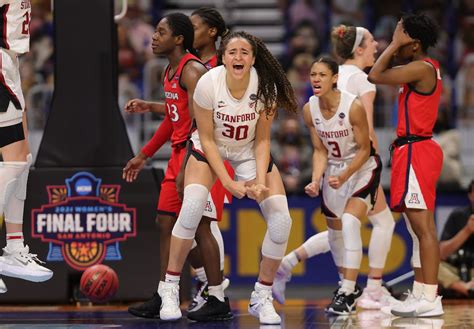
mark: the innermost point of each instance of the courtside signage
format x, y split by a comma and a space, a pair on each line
83, 221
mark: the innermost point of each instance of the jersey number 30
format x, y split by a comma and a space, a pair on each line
238, 133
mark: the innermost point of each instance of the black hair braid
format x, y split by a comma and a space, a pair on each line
180, 24
212, 18
421, 27
274, 89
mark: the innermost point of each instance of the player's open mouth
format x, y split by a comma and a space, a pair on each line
238, 67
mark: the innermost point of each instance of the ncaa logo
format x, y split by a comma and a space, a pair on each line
83, 186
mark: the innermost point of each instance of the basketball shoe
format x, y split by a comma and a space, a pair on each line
3, 287
212, 310
21, 264
410, 298
343, 304
279, 284
421, 307
375, 298
169, 293
261, 307
202, 293
149, 309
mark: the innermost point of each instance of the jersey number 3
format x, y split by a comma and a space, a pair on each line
238, 133
173, 112
335, 150
25, 27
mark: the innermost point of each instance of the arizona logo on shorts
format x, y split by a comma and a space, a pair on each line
83, 221
414, 199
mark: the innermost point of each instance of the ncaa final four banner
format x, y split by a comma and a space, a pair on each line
75, 218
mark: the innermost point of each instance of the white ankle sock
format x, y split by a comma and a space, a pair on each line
201, 274
172, 277
374, 283
289, 261
430, 291
417, 289
217, 292
348, 286
15, 241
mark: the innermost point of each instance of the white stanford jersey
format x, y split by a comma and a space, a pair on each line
335, 133
15, 16
234, 119
353, 80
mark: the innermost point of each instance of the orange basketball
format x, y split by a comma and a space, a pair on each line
99, 283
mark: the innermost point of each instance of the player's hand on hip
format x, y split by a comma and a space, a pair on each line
312, 189
238, 189
132, 169
137, 106
256, 191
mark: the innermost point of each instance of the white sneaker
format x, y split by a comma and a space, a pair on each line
410, 298
3, 287
419, 308
169, 293
375, 298
279, 285
261, 307
23, 265
418, 323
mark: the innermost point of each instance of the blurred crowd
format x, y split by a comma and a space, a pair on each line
307, 36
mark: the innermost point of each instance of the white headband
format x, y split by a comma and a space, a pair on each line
359, 36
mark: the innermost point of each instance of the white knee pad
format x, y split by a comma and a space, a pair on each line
276, 214
352, 241
381, 238
317, 244
194, 202
216, 232
415, 257
13, 177
336, 244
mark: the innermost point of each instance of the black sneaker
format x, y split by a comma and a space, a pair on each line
212, 310
200, 297
343, 304
357, 293
149, 309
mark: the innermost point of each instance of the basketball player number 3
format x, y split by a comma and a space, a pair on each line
26, 24
238, 133
335, 150
173, 112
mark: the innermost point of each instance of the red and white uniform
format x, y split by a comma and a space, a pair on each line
235, 120
15, 39
337, 136
416, 167
211, 63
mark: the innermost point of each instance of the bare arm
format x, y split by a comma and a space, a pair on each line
448, 247
360, 126
410, 73
205, 124
192, 72
367, 101
320, 154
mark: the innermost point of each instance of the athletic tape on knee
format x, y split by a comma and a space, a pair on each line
352, 241
10, 173
415, 258
317, 244
336, 244
277, 215
194, 202
216, 232
381, 238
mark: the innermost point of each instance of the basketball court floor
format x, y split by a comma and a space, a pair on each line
297, 313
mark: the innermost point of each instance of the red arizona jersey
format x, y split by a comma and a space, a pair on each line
417, 111
15, 16
176, 100
211, 63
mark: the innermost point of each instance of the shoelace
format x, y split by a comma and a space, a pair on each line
266, 301
340, 298
25, 253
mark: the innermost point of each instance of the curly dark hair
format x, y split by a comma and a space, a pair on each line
421, 27
274, 89
180, 24
212, 18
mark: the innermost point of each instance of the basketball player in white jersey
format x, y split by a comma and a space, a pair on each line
347, 167
17, 261
234, 106
356, 47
